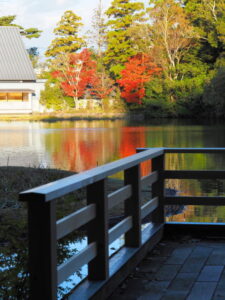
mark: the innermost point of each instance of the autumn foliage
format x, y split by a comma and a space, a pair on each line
138, 70
76, 74
102, 86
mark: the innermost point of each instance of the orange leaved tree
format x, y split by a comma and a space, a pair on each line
76, 72
138, 70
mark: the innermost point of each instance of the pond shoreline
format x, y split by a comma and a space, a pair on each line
61, 116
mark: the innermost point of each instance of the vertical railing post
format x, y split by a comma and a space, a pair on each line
133, 206
42, 249
98, 268
158, 189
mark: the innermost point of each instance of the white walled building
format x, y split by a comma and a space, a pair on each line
19, 88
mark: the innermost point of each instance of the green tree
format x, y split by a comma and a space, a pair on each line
208, 18
122, 14
214, 95
52, 97
28, 33
67, 40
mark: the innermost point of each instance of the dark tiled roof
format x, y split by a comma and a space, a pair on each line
14, 60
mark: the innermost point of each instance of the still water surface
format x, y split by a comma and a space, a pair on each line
82, 145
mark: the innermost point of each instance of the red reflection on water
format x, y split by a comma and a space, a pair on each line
133, 138
86, 148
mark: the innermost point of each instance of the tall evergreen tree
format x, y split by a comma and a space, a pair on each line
122, 14
208, 18
28, 33
67, 40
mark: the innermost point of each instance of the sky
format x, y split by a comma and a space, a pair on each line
44, 14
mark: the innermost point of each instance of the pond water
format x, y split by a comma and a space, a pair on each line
82, 145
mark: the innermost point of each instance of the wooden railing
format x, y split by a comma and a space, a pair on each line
104, 272
194, 174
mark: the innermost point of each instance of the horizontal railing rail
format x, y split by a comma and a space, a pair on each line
75, 220
193, 150
71, 183
197, 200
183, 174
105, 272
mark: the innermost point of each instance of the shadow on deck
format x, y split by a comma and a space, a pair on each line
179, 267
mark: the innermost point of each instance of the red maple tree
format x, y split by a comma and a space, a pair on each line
76, 73
138, 70
102, 85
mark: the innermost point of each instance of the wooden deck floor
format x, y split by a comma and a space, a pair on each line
191, 269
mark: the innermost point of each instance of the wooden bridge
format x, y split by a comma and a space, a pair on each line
106, 273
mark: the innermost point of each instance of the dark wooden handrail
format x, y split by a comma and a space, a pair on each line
104, 273
71, 183
44, 231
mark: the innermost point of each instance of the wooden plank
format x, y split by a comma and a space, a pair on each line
97, 230
132, 176
149, 179
158, 189
186, 200
75, 220
122, 227
69, 184
194, 174
118, 196
76, 261
42, 250
149, 207
195, 229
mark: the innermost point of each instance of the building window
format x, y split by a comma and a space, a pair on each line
25, 96
3, 96
14, 96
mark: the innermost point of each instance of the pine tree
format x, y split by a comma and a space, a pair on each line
122, 14
67, 40
28, 33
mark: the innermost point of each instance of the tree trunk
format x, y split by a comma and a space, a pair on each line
76, 103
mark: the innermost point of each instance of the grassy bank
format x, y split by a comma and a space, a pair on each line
60, 116
17, 179
13, 218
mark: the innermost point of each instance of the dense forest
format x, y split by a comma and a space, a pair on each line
166, 58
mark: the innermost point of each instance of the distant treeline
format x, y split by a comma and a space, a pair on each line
166, 58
